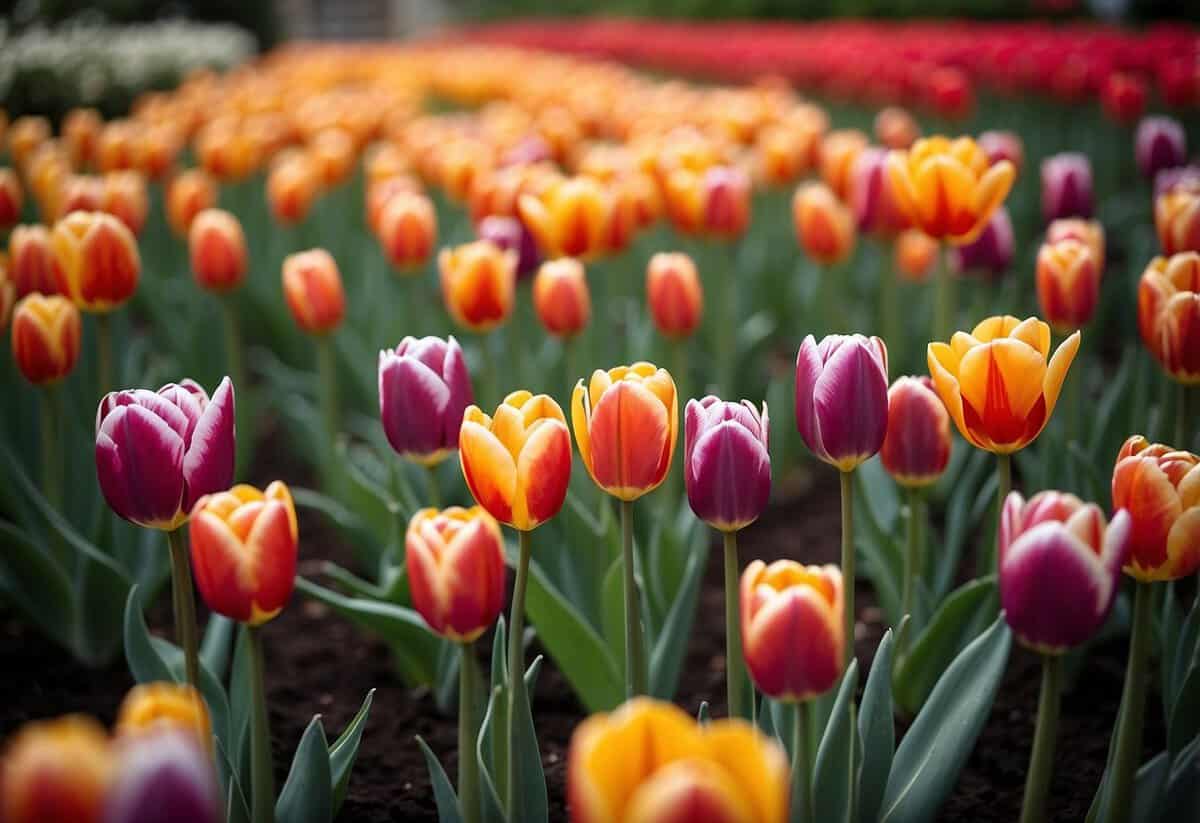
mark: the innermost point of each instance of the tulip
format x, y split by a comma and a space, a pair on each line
1067, 186
1177, 219
950, 93
217, 247
79, 192
80, 132
123, 195
1068, 284
189, 193
152, 707
10, 199
1088, 232
114, 146
915, 255
45, 337
649, 761
380, 193
312, 286
916, 448
569, 219
32, 263
839, 154
26, 134
783, 154
98, 260
291, 188
1123, 97
871, 197
824, 227
1169, 314
332, 151
478, 284
164, 776
56, 771
992, 252
408, 230
674, 294
1180, 177
424, 388
561, 298
1160, 143
8, 293
713, 203
841, 398
1003, 145
509, 233
895, 128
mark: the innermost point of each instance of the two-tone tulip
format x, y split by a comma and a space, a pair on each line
217, 249
674, 294
380, 193
408, 230
1169, 314
1067, 186
842, 397
1068, 284
10, 198
991, 253
509, 233
98, 260
650, 762
157, 453
824, 227
152, 707
56, 771
189, 193
1003, 145
32, 264
626, 423
1177, 218
839, 153
478, 284
714, 202
8, 293
561, 298
727, 468
916, 448
517, 462
871, 198
455, 563
244, 544
165, 775
45, 337
424, 388
997, 383
569, 219
1088, 232
79, 192
1160, 488
1160, 143
80, 132
292, 185
312, 287
123, 195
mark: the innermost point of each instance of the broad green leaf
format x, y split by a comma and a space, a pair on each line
612, 608
443, 792
344, 750
1150, 788
877, 728
879, 493
217, 644
1182, 800
307, 795
834, 781
1184, 654
236, 809
144, 662
531, 803
34, 582
491, 772
670, 647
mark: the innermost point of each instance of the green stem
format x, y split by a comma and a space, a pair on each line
52, 461
848, 562
327, 369
1133, 707
435, 491
912, 549
801, 767
104, 356
516, 666
184, 602
262, 781
1003, 487
1181, 414
635, 671
679, 370
735, 667
490, 382
944, 298
727, 324
889, 310
233, 346
1041, 760
468, 765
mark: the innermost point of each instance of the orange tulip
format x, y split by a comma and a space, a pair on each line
8, 293
380, 193
81, 132
56, 771
1160, 488
517, 463
32, 264
839, 150
189, 193
1068, 284
45, 337
291, 188
155, 150
226, 150
312, 286
10, 199
123, 195
916, 252
332, 153
217, 247
153, 706
674, 294
569, 219
114, 146
408, 230
1169, 314
24, 135
714, 202
626, 422
947, 187
650, 762
783, 154
996, 381
98, 260
895, 128
478, 284
561, 298
1088, 232
79, 192
824, 227
1177, 218
383, 161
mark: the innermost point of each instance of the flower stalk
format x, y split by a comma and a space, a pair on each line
1041, 761
184, 601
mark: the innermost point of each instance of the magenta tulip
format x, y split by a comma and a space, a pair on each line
727, 467
1003, 145
1160, 144
424, 388
991, 253
841, 397
157, 453
875, 208
163, 775
1180, 177
1060, 566
510, 233
1067, 186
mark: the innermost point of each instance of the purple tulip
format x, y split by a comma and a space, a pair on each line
157, 453
1160, 144
510, 233
1003, 145
727, 468
875, 208
841, 397
991, 253
1060, 566
1067, 186
424, 388
163, 775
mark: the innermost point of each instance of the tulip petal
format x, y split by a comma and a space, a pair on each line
412, 405
543, 473
809, 365
630, 431
791, 645
217, 558
946, 384
273, 560
137, 461
1056, 370
850, 405
208, 465
689, 790
489, 470
728, 477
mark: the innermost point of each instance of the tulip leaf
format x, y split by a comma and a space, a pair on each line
1182, 797
531, 803
834, 777
670, 647
32, 580
345, 749
217, 644
443, 793
936, 747
878, 492
1184, 723
1184, 656
491, 742
612, 602
307, 795
877, 728
959, 521
236, 810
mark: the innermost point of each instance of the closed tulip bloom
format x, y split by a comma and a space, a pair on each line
569, 219
792, 634
10, 199
408, 230
8, 293
626, 422
915, 254
478, 284
1068, 284
991, 253
98, 260
1169, 314
380, 193
916, 448
561, 298
1177, 219
782, 154
895, 128
824, 227
32, 264
1160, 143
1067, 186
1123, 96
332, 151
79, 192
291, 188
714, 202
152, 707
727, 468
1060, 568
163, 776
674, 294
1088, 232
949, 92
509, 233
455, 563
244, 544
45, 337
871, 197
123, 195
1003, 145
517, 463
424, 388
839, 152
157, 453
217, 247
312, 286
189, 193
80, 132
650, 762
948, 188
996, 381
1160, 488
842, 397
56, 771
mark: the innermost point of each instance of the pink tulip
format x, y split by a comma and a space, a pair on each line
727, 467
841, 397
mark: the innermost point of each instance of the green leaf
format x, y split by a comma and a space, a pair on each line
217, 644
491, 772
145, 664
236, 809
531, 803
307, 795
33, 581
344, 750
877, 490
834, 781
670, 647
932, 753
1150, 788
877, 728
443, 792
1182, 801
612, 608
1183, 655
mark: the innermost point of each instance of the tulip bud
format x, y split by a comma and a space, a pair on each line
312, 286
1169, 314
79, 192
157, 453
626, 422
381, 192
424, 388
727, 468
10, 199
408, 230
244, 545
123, 195
163, 776
1156, 485
1068, 284
218, 250
1177, 219
478, 284
824, 227
156, 149
839, 152
915, 255
1060, 568
56, 771
871, 197
332, 151
916, 448
189, 193
842, 397
561, 298
455, 564
291, 188
568, 219
991, 253
1067, 186
950, 92
517, 463
783, 154
792, 633
895, 128
81, 132
509, 233
674, 294
1123, 97
1088, 232
98, 258
114, 146
1003, 145
152, 707
715, 202
32, 264
1160, 144
45, 337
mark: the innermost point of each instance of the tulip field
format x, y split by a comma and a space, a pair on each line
609, 421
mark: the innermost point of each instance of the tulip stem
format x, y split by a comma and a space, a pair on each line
233, 345
327, 369
1041, 760
52, 467
735, 667
635, 671
944, 298
435, 490
516, 666
468, 765
184, 602
848, 563
262, 781
1003, 487
1133, 707
888, 307
103, 355
1181, 414
801, 788
912, 549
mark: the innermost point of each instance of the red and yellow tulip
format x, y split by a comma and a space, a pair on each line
56, 771
569, 219
312, 286
98, 261
674, 294
561, 298
1160, 488
150, 707
1169, 314
217, 248
478, 284
45, 337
